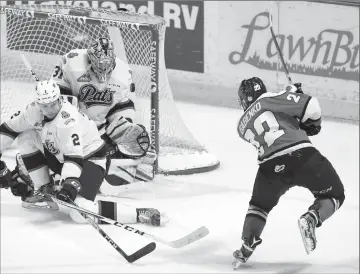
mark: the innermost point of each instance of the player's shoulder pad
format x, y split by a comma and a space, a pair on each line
68, 116
33, 114
312, 111
271, 94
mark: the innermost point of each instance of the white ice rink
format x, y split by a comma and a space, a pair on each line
38, 242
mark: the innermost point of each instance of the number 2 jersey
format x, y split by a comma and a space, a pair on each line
71, 137
271, 123
97, 100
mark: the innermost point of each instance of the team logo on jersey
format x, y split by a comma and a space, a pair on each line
279, 168
51, 147
91, 96
65, 114
69, 121
84, 78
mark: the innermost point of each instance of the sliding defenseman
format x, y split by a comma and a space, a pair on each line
53, 136
103, 85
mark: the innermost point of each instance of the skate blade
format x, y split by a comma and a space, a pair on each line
303, 226
236, 264
39, 204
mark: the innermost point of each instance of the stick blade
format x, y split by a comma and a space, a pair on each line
196, 235
141, 252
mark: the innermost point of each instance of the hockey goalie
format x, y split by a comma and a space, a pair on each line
56, 140
103, 85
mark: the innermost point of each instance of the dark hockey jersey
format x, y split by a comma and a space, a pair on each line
271, 123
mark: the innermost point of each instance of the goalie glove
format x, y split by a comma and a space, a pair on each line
132, 140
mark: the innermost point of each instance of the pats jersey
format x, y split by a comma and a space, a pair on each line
70, 136
96, 99
271, 123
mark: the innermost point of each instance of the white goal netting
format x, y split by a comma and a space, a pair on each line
45, 32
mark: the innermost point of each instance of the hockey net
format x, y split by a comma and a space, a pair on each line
45, 32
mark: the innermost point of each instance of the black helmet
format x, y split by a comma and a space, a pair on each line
250, 90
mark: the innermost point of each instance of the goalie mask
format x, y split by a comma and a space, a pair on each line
102, 58
250, 90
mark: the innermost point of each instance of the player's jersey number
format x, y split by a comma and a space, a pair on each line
58, 72
15, 114
75, 138
271, 134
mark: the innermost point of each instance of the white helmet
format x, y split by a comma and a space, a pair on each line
47, 92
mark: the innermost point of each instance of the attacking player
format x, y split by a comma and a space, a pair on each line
278, 125
103, 85
53, 135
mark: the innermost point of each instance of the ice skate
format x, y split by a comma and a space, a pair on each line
21, 171
148, 216
39, 201
36, 200
246, 250
307, 224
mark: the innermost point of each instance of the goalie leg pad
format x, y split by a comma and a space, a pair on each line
116, 211
84, 203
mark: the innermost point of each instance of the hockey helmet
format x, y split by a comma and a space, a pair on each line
47, 97
249, 90
102, 56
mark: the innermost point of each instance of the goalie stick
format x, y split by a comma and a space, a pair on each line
198, 234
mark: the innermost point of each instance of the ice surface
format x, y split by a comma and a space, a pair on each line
43, 242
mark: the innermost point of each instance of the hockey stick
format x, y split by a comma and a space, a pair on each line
278, 50
50, 199
130, 258
28, 66
186, 240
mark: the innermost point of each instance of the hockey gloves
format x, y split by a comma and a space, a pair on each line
22, 190
5, 175
70, 187
18, 188
310, 129
298, 88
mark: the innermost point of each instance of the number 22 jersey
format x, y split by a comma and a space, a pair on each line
271, 123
